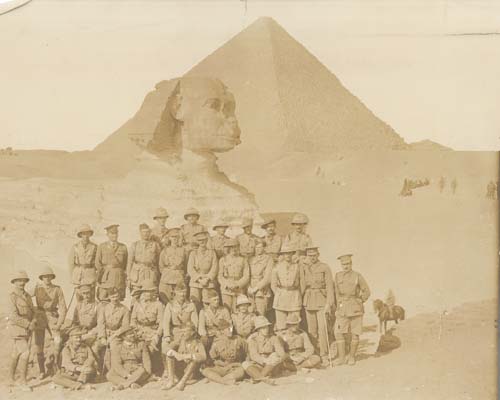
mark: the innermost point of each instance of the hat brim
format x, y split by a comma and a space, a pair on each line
219, 226
79, 234
20, 279
160, 217
262, 326
42, 275
187, 215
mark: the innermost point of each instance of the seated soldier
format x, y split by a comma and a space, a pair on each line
78, 362
298, 346
243, 319
210, 316
186, 356
130, 361
227, 353
85, 317
265, 352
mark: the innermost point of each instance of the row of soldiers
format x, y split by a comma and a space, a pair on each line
177, 316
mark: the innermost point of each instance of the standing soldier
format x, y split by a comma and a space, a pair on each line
228, 353
210, 317
287, 286
111, 264
159, 231
130, 361
52, 312
261, 266
247, 239
173, 260
318, 300
442, 184
78, 363
298, 238
272, 240
143, 260
351, 291
190, 228
454, 185
234, 274
202, 268
265, 352
491, 191
298, 346
21, 324
82, 260
243, 319
219, 239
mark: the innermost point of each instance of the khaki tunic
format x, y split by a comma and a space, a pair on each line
247, 243
260, 347
210, 319
318, 284
50, 300
287, 285
273, 243
85, 316
228, 350
260, 274
189, 230
82, 264
233, 270
128, 357
111, 263
173, 262
73, 357
110, 318
243, 323
351, 291
159, 235
297, 240
216, 243
297, 344
202, 263
143, 262
20, 313
147, 318
177, 316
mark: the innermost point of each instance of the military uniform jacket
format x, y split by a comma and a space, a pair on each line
50, 300
297, 343
216, 243
111, 263
147, 316
202, 262
173, 261
73, 357
243, 323
318, 284
82, 263
194, 348
247, 243
188, 231
20, 313
351, 291
287, 285
297, 240
228, 350
260, 347
110, 318
261, 267
233, 270
273, 243
144, 257
177, 315
209, 320
85, 316
128, 357
159, 235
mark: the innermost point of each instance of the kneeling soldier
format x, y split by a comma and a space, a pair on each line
78, 362
243, 319
298, 346
265, 352
227, 353
130, 361
187, 355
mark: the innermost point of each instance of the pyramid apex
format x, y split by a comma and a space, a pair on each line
265, 21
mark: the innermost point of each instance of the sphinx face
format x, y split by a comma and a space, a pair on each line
207, 112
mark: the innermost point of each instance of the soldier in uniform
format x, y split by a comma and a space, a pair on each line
78, 364
265, 352
82, 260
173, 260
287, 285
261, 266
143, 260
228, 353
298, 238
52, 314
247, 239
210, 316
243, 319
298, 346
318, 299
21, 323
202, 268
272, 240
218, 240
234, 274
351, 291
186, 355
111, 264
190, 228
130, 361
159, 233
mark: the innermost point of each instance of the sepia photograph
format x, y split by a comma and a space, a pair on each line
249, 199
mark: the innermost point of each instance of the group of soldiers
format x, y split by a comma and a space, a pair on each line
201, 305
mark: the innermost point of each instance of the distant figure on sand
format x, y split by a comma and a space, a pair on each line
442, 184
491, 191
454, 186
406, 191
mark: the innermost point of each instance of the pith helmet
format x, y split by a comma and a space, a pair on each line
161, 213
260, 322
220, 224
84, 228
267, 223
20, 275
300, 219
191, 211
46, 271
242, 299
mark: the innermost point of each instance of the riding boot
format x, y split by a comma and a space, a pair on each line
188, 372
40, 358
171, 374
12, 371
340, 360
352, 353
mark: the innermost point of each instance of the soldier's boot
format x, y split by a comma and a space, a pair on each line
266, 374
188, 372
235, 376
23, 374
40, 358
171, 374
340, 360
352, 353
213, 376
12, 371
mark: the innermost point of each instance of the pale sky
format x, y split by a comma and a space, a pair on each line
73, 71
